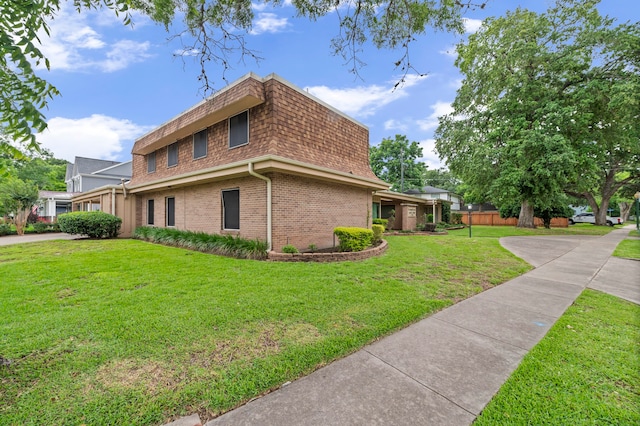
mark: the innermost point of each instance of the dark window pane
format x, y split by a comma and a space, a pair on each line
172, 154
150, 212
171, 211
200, 144
239, 129
151, 162
231, 209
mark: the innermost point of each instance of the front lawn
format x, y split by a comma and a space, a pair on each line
483, 231
584, 372
127, 332
629, 248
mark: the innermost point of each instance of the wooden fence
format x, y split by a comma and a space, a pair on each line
494, 219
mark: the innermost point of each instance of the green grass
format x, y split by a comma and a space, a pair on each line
481, 231
629, 249
127, 332
584, 372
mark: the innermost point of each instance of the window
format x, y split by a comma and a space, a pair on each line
200, 144
151, 162
172, 155
150, 212
171, 211
231, 209
239, 129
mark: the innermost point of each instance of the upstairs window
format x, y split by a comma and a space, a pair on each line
200, 144
151, 162
239, 129
172, 155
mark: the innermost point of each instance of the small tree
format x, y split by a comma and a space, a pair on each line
18, 198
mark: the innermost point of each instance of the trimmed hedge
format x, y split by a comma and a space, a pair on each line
225, 245
353, 239
378, 230
380, 221
91, 224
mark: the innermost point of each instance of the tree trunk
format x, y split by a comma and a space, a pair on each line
525, 220
20, 221
625, 210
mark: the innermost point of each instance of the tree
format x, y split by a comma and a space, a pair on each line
528, 120
213, 29
45, 171
395, 161
17, 198
559, 208
442, 178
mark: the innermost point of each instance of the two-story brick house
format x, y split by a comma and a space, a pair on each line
260, 159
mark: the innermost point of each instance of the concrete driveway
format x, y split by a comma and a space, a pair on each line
32, 238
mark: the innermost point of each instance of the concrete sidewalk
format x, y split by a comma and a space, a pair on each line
32, 238
444, 369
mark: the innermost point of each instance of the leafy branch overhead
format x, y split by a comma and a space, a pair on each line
213, 31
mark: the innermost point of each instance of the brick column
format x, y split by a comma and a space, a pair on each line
409, 216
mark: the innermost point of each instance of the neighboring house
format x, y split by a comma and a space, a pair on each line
261, 159
53, 203
86, 174
433, 193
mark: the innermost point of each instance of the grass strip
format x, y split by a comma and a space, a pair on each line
585, 371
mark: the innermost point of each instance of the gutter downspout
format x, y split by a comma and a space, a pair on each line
124, 190
266, 179
113, 201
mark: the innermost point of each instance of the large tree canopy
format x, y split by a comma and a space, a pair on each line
213, 30
548, 104
395, 161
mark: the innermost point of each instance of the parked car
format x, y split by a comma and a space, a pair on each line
591, 218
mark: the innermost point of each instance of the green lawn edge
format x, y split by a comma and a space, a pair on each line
586, 370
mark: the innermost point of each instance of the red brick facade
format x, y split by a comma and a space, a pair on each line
316, 158
289, 123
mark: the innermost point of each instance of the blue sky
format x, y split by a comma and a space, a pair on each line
118, 82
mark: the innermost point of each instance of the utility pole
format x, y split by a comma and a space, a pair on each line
402, 169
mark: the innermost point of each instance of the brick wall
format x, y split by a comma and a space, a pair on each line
306, 211
199, 207
308, 131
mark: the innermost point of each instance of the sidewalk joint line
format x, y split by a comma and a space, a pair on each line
420, 383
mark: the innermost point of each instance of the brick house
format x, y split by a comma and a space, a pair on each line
261, 159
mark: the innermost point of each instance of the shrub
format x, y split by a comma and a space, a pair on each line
290, 249
312, 248
377, 229
380, 221
40, 227
429, 218
5, 229
430, 227
456, 218
225, 245
92, 224
353, 239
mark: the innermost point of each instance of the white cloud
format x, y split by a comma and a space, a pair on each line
429, 156
396, 125
74, 43
439, 109
97, 136
268, 23
364, 101
471, 25
450, 52
123, 53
